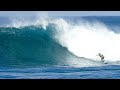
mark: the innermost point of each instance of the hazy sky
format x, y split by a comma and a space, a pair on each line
60, 13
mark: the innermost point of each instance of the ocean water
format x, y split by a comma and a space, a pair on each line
59, 47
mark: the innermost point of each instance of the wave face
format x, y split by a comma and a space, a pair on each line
59, 41
29, 46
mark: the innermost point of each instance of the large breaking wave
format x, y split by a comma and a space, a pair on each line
57, 41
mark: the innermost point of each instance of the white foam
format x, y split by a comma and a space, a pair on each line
88, 39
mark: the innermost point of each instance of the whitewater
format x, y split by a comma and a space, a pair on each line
66, 45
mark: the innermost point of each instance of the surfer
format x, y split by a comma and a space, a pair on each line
101, 56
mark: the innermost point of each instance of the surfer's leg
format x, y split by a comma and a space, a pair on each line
102, 59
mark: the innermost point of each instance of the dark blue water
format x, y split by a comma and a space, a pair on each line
31, 52
105, 72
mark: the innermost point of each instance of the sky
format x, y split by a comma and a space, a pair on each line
60, 13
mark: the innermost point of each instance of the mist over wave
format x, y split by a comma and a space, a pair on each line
58, 41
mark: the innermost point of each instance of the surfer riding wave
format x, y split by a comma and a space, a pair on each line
101, 56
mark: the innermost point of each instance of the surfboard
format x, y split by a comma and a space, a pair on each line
104, 62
